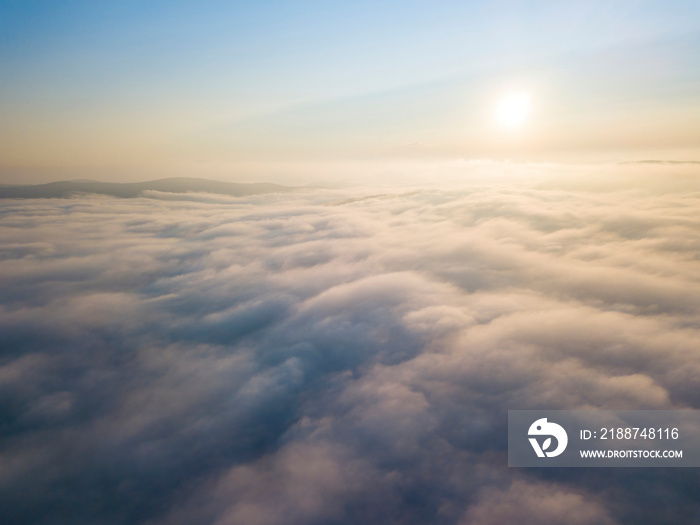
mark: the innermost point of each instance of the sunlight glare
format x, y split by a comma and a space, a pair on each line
513, 109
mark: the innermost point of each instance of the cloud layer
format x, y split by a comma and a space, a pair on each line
338, 356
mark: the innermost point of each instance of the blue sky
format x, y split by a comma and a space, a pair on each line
141, 87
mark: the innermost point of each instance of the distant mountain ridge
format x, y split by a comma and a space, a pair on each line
134, 189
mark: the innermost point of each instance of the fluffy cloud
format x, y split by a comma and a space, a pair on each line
337, 356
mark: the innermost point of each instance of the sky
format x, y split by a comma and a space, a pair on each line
294, 92
496, 207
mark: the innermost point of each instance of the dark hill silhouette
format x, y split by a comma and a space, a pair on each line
134, 189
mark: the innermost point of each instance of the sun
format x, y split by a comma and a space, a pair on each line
513, 109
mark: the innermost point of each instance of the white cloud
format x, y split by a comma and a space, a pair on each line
275, 359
